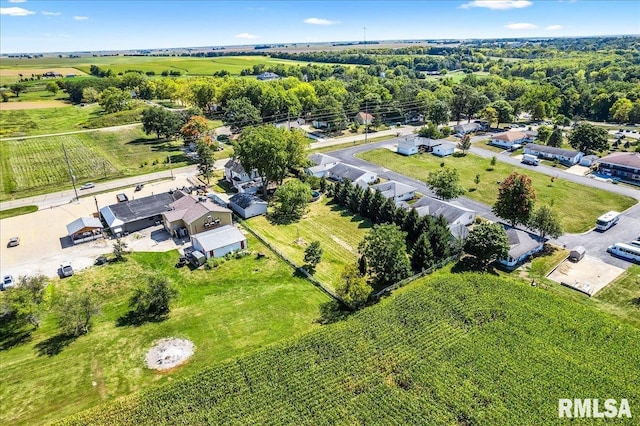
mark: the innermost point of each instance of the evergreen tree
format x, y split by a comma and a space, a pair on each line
412, 226
400, 217
355, 199
377, 203
343, 195
422, 255
388, 211
365, 204
440, 238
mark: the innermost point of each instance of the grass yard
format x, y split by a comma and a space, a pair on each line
32, 166
450, 349
623, 295
337, 230
562, 194
544, 262
17, 211
241, 306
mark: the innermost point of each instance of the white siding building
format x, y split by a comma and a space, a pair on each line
220, 241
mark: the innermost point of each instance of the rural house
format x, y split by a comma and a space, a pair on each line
363, 118
453, 214
444, 149
267, 76
235, 174
565, 156
463, 129
219, 241
247, 205
510, 140
321, 164
621, 165
395, 191
189, 216
356, 175
84, 229
522, 244
412, 144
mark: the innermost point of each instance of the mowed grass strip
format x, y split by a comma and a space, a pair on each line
45, 121
578, 206
450, 349
243, 305
623, 295
338, 231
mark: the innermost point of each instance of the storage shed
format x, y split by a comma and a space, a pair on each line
577, 253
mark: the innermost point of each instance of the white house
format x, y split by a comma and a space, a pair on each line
395, 190
508, 139
565, 156
247, 205
236, 175
444, 149
463, 129
412, 144
589, 160
321, 164
355, 174
521, 245
219, 241
453, 214
266, 76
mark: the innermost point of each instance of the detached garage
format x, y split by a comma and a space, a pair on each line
219, 241
247, 205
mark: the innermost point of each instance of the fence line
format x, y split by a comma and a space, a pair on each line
295, 267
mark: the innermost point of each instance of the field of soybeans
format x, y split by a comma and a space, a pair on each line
451, 349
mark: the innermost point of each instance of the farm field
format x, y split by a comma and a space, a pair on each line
561, 194
448, 349
338, 231
187, 65
32, 166
242, 305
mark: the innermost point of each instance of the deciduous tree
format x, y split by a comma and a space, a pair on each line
516, 198
312, 256
240, 113
113, 100
546, 222
152, 301
487, 242
206, 159
385, 253
445, 182
588, 138
353, 288
74, 311
465, 143
290, 200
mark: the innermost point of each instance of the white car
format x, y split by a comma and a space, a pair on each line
7, 282
66, 270
88, 185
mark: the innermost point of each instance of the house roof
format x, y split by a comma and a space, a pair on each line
520, 242
467, 127
364, 116
219, 237
234, 165
434, 207
552, 150
245, 200
83, 222
320, 159
140, 208
590, 157
347, 171
445, 145
189, 209
292, 124
267, 76
510, 136
415, 140
393, 189
626, 159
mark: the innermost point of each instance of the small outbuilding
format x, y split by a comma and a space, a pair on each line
444, 149
247, 205
220, 241
84, 229
577, 253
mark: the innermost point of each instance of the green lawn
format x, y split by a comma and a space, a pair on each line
623, 295
17, 211
545, 261
243, 305
562, 195
31, 166
338, 231
451, 349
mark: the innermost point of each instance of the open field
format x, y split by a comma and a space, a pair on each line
186, 65
243, 305
448, 349
31, 166
10, 74
12, 106
338, 231
623, 295
561, 194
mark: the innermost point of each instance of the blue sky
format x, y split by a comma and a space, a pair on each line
64, 26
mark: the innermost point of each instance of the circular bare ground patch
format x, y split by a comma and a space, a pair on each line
169, 353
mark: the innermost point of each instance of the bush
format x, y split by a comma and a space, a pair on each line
214, 262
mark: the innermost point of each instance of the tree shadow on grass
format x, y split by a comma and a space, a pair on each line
12, 333
136, 319
332, 312
469, 264
636, 302
54, 345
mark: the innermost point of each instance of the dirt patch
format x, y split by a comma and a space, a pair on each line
26, 72
588, 276
342, 244
14, 106
169, 353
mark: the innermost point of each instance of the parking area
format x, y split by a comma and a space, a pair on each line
588, 276
43, 234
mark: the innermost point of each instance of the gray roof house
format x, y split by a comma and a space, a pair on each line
463, 129
235, 174
444, 149
395, 190
355, 174
564, 156
266, 76
321, 164
412, 144
621, 165
219, 241
522, 244
454, 214
247, 205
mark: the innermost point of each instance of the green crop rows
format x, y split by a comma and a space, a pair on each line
450, 349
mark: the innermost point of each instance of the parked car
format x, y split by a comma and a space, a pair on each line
88, 185
139, 187
122, 198
13, 241
7, 282
66, 270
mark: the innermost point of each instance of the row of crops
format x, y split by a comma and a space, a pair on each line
452, 349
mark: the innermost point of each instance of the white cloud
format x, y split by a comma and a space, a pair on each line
80, 18
45, 13
17, 1
15, 11
246, 36
553, 27
497, 4
320, 21
521, 26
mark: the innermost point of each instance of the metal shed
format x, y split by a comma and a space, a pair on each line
577, 253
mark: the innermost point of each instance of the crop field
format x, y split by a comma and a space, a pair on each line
463, 349
187, 65
38, 165
338, 231
561, 194
242, 305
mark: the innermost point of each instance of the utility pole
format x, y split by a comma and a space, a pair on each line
366, 121
73, 178
97, 208
170, 169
